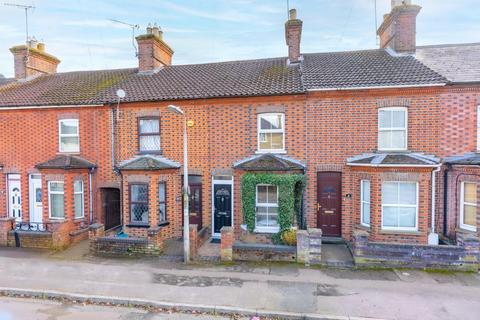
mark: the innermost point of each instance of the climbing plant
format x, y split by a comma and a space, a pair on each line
290, 189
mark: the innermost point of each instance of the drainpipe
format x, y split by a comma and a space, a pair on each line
90, 194
113, 137
432, 236
445, 199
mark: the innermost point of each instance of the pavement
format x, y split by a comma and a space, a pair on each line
14, 308
287, 289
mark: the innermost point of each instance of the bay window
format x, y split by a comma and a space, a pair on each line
468, 206
392, 129
68, 135
78, 198
365, 203
56, 200
139, 203
271, 132
162, 202
399, 205
267, 207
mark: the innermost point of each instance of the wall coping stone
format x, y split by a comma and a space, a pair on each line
263, 247
123, 240
46, 234
96, 226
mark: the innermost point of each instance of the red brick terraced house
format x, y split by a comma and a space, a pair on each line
374, 146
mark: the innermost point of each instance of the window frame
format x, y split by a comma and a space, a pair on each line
139, 135
362, 202
68, 135
130, 202
405, 109
403, 205
259, 131
268, 229
82, 193
462, 207
50, 192
162, 202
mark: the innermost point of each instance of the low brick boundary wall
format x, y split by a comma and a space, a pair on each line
463, 257
263, 252
197, 238
31, 239
102, 245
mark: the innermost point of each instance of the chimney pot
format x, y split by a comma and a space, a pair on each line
41, 47
153, 52
149, 29
293, 14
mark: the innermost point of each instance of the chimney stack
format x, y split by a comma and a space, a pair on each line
398, 30
293, 35
153, 52
31, 60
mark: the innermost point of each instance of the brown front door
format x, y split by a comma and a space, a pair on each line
329, 203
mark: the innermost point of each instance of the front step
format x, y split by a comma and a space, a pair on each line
333, 240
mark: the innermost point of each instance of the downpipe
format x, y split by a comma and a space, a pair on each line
433, 236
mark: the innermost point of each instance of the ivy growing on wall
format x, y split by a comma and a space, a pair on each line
290, 190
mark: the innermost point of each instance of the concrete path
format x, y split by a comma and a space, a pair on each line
14, 308
289, 288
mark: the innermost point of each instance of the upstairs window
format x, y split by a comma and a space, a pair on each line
149, 135
468, 206
271, 132
267, 207
392, 129
68, 135
139, 203
78, 198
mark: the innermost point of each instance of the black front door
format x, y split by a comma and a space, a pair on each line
111, 207
222, 215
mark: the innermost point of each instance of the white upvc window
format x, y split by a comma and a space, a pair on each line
68, 135
365, 203
78, 199
400, 206
271, 132
56, 200
266, 218
392, 128
468, 206
478, 128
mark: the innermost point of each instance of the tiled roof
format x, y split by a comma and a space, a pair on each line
366, 68
66, 162
5, 81
466, 159
69, 88
456, 62
262, 77
269, 162
148, 162
393, 159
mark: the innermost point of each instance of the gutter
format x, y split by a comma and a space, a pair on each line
395, 165
379, 87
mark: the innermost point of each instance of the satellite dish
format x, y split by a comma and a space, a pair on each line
121, 93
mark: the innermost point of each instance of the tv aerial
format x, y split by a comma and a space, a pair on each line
133, 27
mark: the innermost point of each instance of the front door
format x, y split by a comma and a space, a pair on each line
36, 204
329, 203
14, 197
195, 210
111, 207
222, 206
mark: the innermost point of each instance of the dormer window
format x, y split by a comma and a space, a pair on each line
68, 136
149, 135
271, 132
392, 129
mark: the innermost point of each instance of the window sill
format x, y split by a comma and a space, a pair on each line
363, 227
163, 224
466, 229
79, 218
266, 230
271, 151
405, 232
73, 153
138, 225
56, 220
154, 152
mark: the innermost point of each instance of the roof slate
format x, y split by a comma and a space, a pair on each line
366, 68
148, 162
66, 162
269, 162
393, 159
466, 159
261, 77
457, 62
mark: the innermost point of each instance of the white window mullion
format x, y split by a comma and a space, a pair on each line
478, 128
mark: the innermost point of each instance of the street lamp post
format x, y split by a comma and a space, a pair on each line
186, 221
